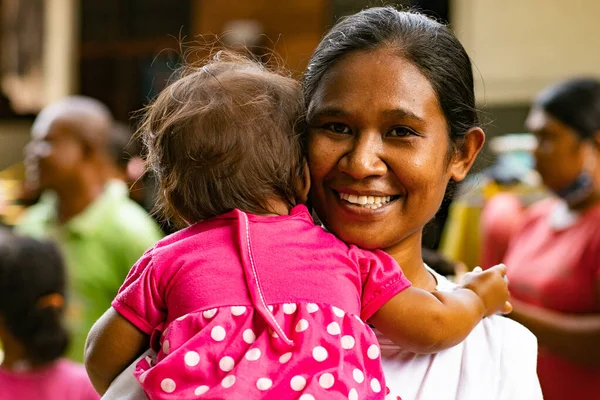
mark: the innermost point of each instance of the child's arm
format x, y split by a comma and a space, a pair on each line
112, 345
424, 322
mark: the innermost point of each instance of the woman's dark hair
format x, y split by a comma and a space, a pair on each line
31, 276
429, 45
575, 103
225, 135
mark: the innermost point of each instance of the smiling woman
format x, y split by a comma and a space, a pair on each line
391, 122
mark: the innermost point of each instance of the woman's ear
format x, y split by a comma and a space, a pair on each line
303, 184
465, 155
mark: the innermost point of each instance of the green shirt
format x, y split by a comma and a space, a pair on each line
99, 245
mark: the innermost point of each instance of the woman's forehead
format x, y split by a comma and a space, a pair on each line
384, 81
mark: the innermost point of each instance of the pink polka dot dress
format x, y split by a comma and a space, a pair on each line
254, 307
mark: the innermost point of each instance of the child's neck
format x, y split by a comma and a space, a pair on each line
14, 352
277, 207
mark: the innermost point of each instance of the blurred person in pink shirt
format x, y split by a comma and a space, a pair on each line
32, 290
554, 258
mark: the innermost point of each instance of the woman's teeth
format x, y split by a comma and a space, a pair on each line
370, 202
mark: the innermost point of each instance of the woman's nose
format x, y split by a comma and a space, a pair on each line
364, 158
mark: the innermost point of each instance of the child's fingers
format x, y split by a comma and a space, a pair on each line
507, 309
477, 269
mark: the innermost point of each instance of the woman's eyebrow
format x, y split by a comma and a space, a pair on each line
401, 113
326, 112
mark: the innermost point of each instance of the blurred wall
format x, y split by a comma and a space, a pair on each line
13, 137
519, 47
292, 28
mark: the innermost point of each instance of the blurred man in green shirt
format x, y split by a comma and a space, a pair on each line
87, 212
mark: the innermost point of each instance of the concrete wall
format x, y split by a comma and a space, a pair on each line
520, 46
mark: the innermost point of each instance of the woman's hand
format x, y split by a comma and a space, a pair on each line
491, 286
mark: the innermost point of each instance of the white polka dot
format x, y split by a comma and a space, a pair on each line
226, 364
191, 358
164, 334
337, 311
307, 397
249, 336
168, 385
326, 380
289, 308
270, 307
238, 310
353, 395
312, 307
373, 352
217, 333
253, 354
274, 334
333, 328
143, 376
264, 384
347, 342
319, 353
182, 317
302, 325
228, 381
285, 358
298, 383
375, 385
358, 375
166, 347
209, 313
200, 390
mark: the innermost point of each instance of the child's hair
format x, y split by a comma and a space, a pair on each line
32, 291
224, 135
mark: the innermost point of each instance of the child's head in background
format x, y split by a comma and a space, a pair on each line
226, 135
32, 297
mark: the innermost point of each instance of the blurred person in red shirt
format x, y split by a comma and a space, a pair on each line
554, 258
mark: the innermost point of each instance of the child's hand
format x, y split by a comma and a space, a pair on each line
492, 288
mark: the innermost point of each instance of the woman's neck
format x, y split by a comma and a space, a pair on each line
408, 255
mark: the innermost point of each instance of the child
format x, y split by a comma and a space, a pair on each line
252, 300
32, 289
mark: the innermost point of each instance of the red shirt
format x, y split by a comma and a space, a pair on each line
558, 269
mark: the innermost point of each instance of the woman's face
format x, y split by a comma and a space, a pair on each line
559, 154
377, 135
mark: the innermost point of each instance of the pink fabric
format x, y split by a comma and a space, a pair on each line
63, 380
501, 218
245, 306
558, 270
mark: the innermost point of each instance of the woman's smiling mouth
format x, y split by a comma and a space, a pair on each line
370, 202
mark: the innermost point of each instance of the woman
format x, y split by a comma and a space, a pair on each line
554, 260
391, 112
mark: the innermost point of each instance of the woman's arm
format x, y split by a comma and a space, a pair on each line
575, 337
112, 345
424, 322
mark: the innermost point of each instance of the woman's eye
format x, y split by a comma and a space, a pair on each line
401, 132
336, 127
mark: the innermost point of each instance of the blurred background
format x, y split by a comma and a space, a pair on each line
123, 52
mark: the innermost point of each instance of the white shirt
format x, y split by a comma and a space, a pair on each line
497, 361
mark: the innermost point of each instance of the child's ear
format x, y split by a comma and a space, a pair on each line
303, 184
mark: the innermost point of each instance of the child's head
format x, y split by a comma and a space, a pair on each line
224, 136
32, 290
